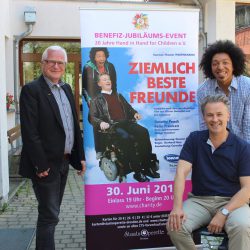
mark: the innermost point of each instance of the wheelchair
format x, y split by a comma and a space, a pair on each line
112, 161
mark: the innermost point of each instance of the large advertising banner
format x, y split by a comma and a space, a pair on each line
140, 76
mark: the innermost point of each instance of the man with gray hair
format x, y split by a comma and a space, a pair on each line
219, 161
51, 141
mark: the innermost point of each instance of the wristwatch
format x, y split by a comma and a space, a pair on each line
224, 211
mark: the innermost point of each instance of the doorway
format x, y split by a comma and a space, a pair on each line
30, 57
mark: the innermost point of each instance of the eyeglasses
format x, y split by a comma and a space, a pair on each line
52, 63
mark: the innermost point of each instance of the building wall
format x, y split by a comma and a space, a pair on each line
5, 40
62, 18
243, 40
225, 21
219, 20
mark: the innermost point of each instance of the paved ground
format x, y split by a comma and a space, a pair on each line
70, 232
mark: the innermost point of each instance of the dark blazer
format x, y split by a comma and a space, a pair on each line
99, 111
42, 130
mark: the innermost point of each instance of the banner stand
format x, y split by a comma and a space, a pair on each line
136, 120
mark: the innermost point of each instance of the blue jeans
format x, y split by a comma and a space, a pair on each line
49, 193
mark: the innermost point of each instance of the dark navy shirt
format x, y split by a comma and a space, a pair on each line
217, 173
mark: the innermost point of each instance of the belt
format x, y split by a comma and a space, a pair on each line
66, 156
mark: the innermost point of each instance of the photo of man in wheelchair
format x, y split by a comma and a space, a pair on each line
125, 145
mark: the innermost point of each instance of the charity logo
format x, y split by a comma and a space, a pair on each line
171, 158
140, 21
144, 232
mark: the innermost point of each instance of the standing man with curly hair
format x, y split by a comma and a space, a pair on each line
223, 63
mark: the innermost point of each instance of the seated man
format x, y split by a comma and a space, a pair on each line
108, 108
219, 161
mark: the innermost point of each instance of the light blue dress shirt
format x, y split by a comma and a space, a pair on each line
65, 112
239, 97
